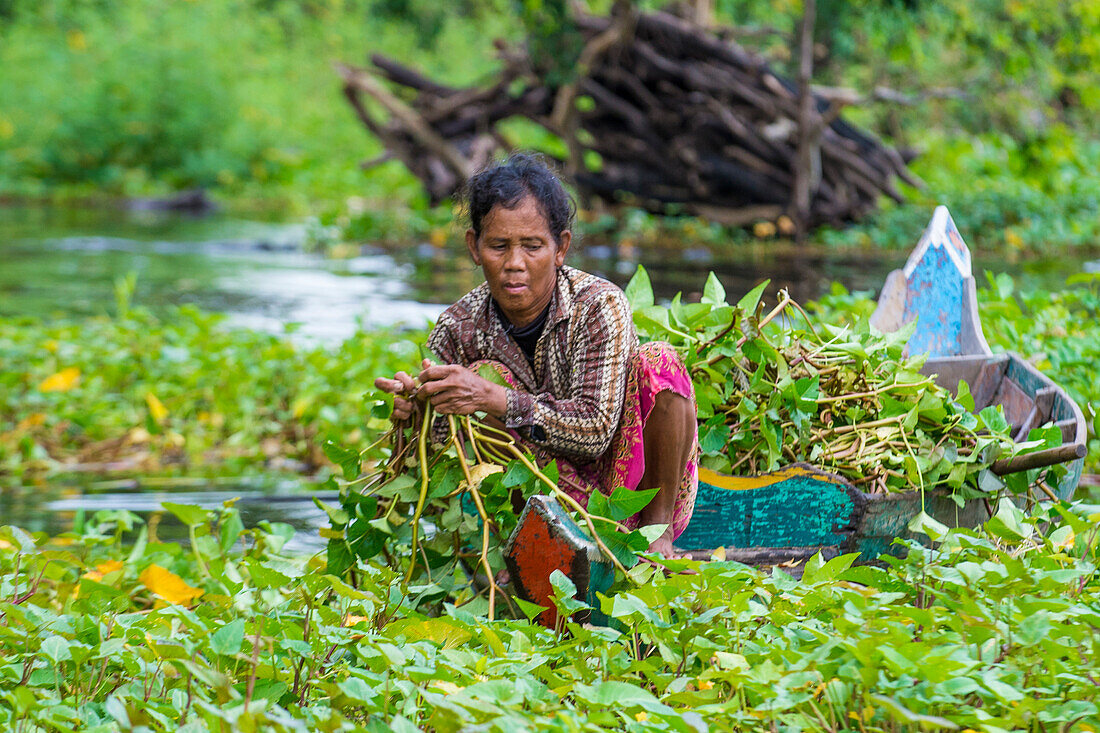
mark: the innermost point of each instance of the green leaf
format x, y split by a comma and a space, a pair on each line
517, 474
228, 639
751, 299
817, 570
624, 546
994, 419
963, 397
381, 408
714, 435
597, 504
231, 528
263, 576
651, 532
189, 514
653, 322
625, 503
23, 540
563, 586
338, 517
772, 436
530, 610
564, 597
902, 714
639, 291
489, 373
713, 292
550, 471
446, 632
357, 690
444, 480
614, 694
138, 550
117, 710
926, 524
624, 605
345, 458
56, 649
1008, 522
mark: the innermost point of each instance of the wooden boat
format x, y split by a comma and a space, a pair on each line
790, 514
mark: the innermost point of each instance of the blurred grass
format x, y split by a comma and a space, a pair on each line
144, 97
140, 97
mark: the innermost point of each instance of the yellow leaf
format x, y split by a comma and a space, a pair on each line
76, 40
344, 251
138, 435
63, 381
763, 229
1067, 542
705, 684
156, 407
447, 688
102, 569
352, 620
482, 471
168, 585
34, 420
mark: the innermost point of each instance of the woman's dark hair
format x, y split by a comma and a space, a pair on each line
507, 184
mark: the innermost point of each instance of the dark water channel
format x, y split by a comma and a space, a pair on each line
57, 263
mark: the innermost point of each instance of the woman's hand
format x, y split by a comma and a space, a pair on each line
401, 384
455, 390
663, 546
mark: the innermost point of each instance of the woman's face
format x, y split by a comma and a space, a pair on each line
520, 258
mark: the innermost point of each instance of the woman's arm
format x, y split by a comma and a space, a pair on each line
582, 425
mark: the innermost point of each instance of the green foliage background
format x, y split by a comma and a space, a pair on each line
141, 96
137, 96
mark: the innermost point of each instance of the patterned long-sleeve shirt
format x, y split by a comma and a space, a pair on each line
572, 398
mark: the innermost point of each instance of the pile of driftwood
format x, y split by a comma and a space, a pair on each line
678, 119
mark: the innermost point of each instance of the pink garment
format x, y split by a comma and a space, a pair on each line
654, 368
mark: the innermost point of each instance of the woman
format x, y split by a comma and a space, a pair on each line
581, 391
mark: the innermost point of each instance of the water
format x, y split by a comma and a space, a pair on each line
54, 508
64, 263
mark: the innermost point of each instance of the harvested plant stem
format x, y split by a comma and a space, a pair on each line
573, 503
422, 453
476, 495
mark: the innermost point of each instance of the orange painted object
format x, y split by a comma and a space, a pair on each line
545, 540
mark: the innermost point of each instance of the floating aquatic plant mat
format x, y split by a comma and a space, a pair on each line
994, 631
